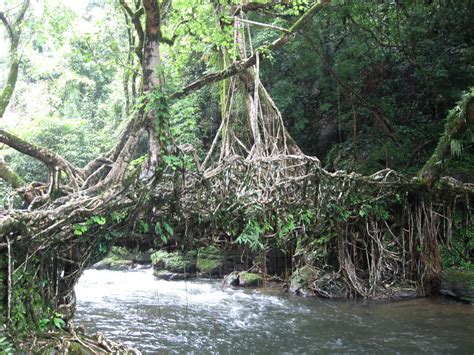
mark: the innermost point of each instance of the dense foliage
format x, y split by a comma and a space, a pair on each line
408, 61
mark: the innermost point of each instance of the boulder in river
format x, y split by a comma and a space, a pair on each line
458, 283
119, 259
210, 261
114, 264
301, 279
175, 262
232, 279
249, 279
171, 276
243, 279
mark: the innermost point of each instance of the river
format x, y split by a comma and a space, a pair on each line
201, 316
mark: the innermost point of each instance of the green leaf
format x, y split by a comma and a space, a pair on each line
80, 229
99, 220
144, 227
168, 229
58, 322
158, 229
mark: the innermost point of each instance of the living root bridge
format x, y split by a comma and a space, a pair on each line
369, 231
359, 234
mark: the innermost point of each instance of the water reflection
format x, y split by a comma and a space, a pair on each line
201, 316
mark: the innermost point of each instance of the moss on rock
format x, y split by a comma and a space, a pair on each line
458, 283
122, 259
249, 279
302, 278
175, 262
209, 260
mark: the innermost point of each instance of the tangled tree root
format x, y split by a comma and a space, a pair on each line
74, 341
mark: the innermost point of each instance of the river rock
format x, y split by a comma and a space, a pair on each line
232, 279
111, 263
404, 293
120, 259
175, 262
458, 283
243, 279
210, 261
249, 279
143, 258
171, 276
301, 279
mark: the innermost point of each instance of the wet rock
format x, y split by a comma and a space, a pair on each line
243, 279
232, 279
305, 292
143, 258
111, 263
171, 276
301, 279
249, 279
404, 293
210, 261
458, 283
120, 259
174, 262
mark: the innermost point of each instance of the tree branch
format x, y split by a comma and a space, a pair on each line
239, 66
14, 32
256, 6
7, 91
21, 14
8, 175
50, 159
7, 26
170, 41
135, 18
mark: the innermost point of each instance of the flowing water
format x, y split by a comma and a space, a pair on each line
159, 316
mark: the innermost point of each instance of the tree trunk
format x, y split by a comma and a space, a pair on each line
153, 81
